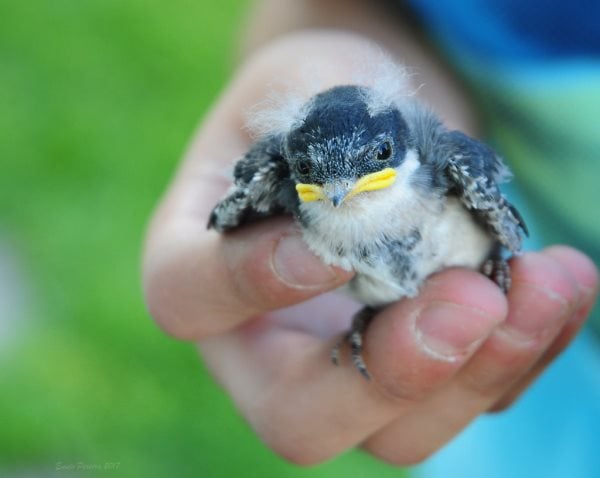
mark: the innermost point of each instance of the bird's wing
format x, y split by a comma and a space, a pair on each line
262, 187
474, 171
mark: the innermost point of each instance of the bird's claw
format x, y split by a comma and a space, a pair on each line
354, 337
498, 270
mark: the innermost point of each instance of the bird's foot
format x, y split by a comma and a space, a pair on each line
498, 270
354, 337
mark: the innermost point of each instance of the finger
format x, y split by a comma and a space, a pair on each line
558, 346
196, 283
308, 410
585, 275
204, 284
541, 300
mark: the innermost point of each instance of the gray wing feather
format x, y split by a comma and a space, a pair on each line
262, 187
468, 168
475, 171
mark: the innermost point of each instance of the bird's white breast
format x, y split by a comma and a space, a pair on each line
382, 222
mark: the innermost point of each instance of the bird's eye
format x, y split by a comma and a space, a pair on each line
384, 151
303, 167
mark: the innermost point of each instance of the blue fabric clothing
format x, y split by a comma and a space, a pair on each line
515, 30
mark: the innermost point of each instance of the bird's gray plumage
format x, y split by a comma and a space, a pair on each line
445, 207
262, 187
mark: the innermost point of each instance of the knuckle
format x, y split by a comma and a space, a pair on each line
490, 375
392, 381
500, 406
161, 310
405, 385
402, 391
484, 384
295, 449
170, 309
402, 457
297, 455
289, 434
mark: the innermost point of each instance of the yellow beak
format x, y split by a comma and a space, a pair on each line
337, 194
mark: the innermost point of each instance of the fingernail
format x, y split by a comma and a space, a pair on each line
298, 267
449, 331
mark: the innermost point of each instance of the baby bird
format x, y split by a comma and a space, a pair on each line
379, 186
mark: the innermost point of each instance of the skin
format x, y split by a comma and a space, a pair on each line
257, 302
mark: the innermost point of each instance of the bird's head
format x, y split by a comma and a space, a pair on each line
345, 146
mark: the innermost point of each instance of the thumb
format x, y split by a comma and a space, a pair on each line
200, 283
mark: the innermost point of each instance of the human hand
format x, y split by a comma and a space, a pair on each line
437, 361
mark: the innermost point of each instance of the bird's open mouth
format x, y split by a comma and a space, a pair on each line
337, 192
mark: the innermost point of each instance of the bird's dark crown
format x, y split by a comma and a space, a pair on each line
341, 139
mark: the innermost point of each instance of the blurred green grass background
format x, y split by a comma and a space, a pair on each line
97, 101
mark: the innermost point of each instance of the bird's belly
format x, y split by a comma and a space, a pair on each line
378, 291
455, 239
396, 265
